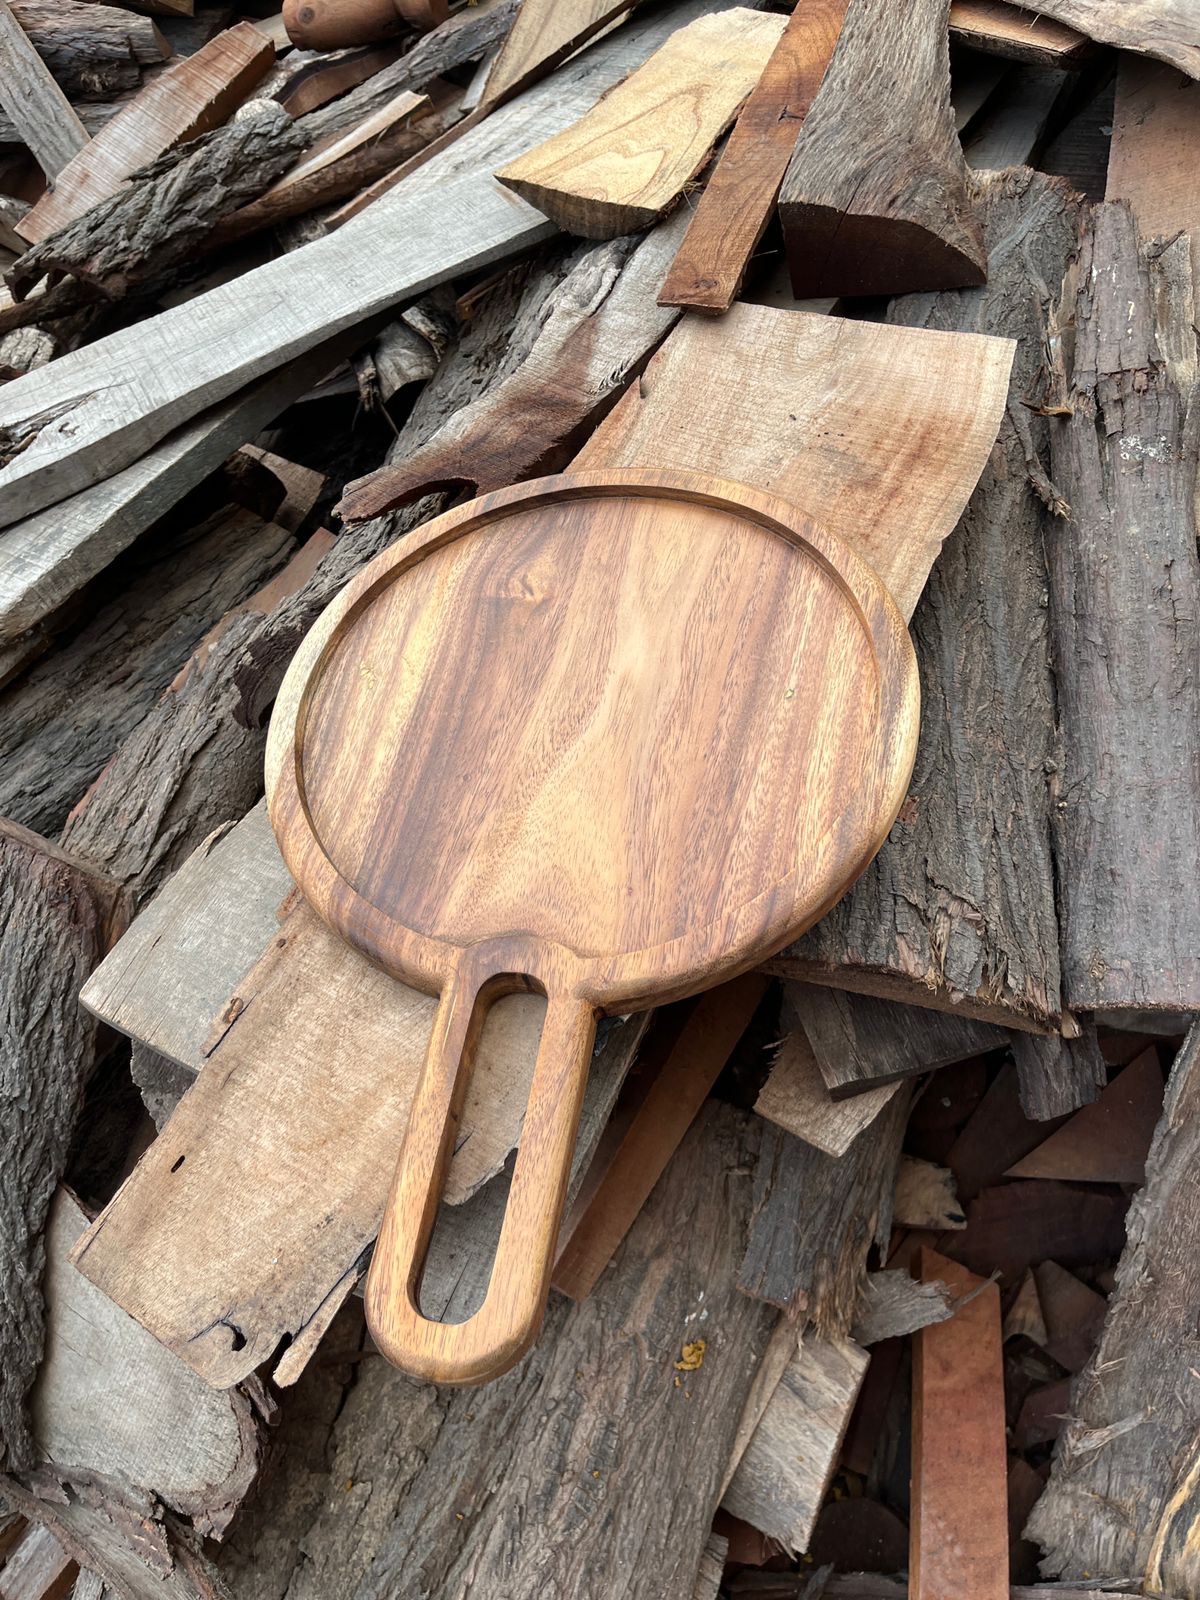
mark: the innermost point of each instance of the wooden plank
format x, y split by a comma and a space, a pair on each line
1122, 1496
1155, 147
610, 1206
975, 832
59, 918
959, 1527
795, 1098
864, 209
92, 412
1123, 571
1107, 1141
861, 1042
800, 411
322, 78
1006, 30
41, 113
544, 33
37, 1569
623, 164
737, 202
1011, 129
1164, 29
787, 1466
1011, 1227
196, 94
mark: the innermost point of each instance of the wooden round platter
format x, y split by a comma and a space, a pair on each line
613, 737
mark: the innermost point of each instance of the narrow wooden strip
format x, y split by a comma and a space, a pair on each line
1155, 149
737, 201
959, 1529
621, 166
189, 98
1006, 30
591, 1236
1165, 29
543, 33
41, 113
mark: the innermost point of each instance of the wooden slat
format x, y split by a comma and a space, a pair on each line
795, 1098
622, 165
959, 1529
41, 113
1005, 30
91, 413
1155, 150
197, 93
1164, 29
1010, 131
739, 197
610, 1202
543, 34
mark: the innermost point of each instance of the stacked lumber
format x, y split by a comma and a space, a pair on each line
877, 1262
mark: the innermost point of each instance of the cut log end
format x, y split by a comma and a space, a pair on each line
834, 252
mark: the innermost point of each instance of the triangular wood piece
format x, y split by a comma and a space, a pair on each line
1107, 1141
875, 199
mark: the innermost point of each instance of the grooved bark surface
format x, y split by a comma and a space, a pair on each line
960, 900
1122, 1497
875, 198
1125, 614
55, 924
93, 51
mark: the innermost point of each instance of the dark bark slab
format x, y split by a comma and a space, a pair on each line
1058, 1075
1125, 615
1122, 1496
93, 51
56, 921
959, 903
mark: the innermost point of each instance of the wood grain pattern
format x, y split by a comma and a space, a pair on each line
875, 199
959, 1529
1155, 149
543, 33
1165, 29
496, 888
41, 114
795, 1098
196, 94
620, 167
1005, 30
739, 197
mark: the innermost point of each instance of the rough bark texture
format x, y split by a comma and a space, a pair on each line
961, 896
56, 921
167, 210
1123, 1497
1125, 613
1058, 1075
71, 711
611, 1461
816, 1217
94, 51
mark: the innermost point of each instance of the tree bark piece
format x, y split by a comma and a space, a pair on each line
155, 376
796, 1099
1122, 1492
875, 198
601, 329
959, 1529
93, 51
168, 210
817, 1267
57, 921
894, 1303
1125, 586
199, 93
42, 115
1058, 1075
1165, 29
787, 1466
1107, 1141
625, 163
861, 1042
612, 1198
1005, 30
957, 911
739, 197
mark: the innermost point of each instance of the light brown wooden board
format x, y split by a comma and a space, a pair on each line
40, 111
875, 198
959, 1527
1006, 30
1165, 29
543, 33
1155, 149
732, 213
796, 1098
199, 92
621, 166
767, 741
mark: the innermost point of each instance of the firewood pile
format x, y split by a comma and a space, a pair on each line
878, 1265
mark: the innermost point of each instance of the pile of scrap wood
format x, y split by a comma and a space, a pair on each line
879, 1260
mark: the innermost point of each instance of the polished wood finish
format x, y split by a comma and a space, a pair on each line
958, 1542
621, 166
875, 199
732, 213
339, 24
610, 737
